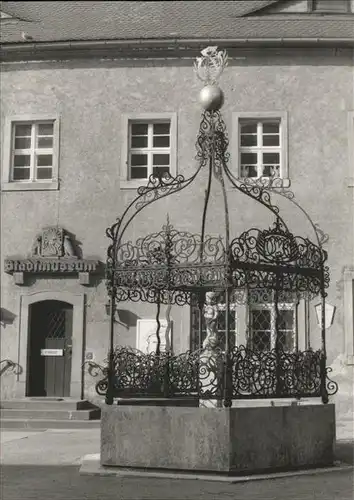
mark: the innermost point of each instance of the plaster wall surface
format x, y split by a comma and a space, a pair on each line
315, 89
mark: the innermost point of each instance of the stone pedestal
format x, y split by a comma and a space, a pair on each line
225, 440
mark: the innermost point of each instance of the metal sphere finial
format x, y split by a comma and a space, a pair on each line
208, 68
211, 97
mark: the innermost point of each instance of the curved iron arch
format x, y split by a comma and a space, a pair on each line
170, 266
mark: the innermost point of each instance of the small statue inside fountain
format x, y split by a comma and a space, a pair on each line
211, 313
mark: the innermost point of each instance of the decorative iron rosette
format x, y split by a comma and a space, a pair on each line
277, 247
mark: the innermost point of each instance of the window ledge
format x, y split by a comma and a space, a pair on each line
124, 184
285, 182
30, 186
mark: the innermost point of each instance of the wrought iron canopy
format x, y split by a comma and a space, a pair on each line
174, 263
167, 266
173, 266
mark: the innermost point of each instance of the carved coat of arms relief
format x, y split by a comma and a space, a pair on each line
53, 242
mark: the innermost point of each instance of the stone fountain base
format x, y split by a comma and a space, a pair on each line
239, 440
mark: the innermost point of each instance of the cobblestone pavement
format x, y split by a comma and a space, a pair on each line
25, 482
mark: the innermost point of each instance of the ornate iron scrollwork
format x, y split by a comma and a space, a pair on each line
255, 374
331, 385
176, 267
11, 366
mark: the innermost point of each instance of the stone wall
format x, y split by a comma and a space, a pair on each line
235, 440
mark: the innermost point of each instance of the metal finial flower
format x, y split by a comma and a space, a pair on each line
210, 65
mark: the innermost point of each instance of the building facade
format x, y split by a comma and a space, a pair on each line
84, 124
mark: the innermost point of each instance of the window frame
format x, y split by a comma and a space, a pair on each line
279, 116
315, 10
270, 306
33, 151
240, 335
8, 184
259, 149
150, 118
348, 313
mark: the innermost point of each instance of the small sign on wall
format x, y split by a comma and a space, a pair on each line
52, 352
146, 335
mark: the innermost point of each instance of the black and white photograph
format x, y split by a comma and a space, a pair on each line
177, 250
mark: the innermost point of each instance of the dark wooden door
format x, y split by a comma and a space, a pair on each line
50, 349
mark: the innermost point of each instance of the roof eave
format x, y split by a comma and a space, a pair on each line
146, 47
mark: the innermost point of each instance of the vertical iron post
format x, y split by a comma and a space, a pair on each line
201, 299
323, 374
307, 323
206, 201
110, 388
158, 324
200, 303
278, 389
228, 367
219, 160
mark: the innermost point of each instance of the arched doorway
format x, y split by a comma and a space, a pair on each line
49, 348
